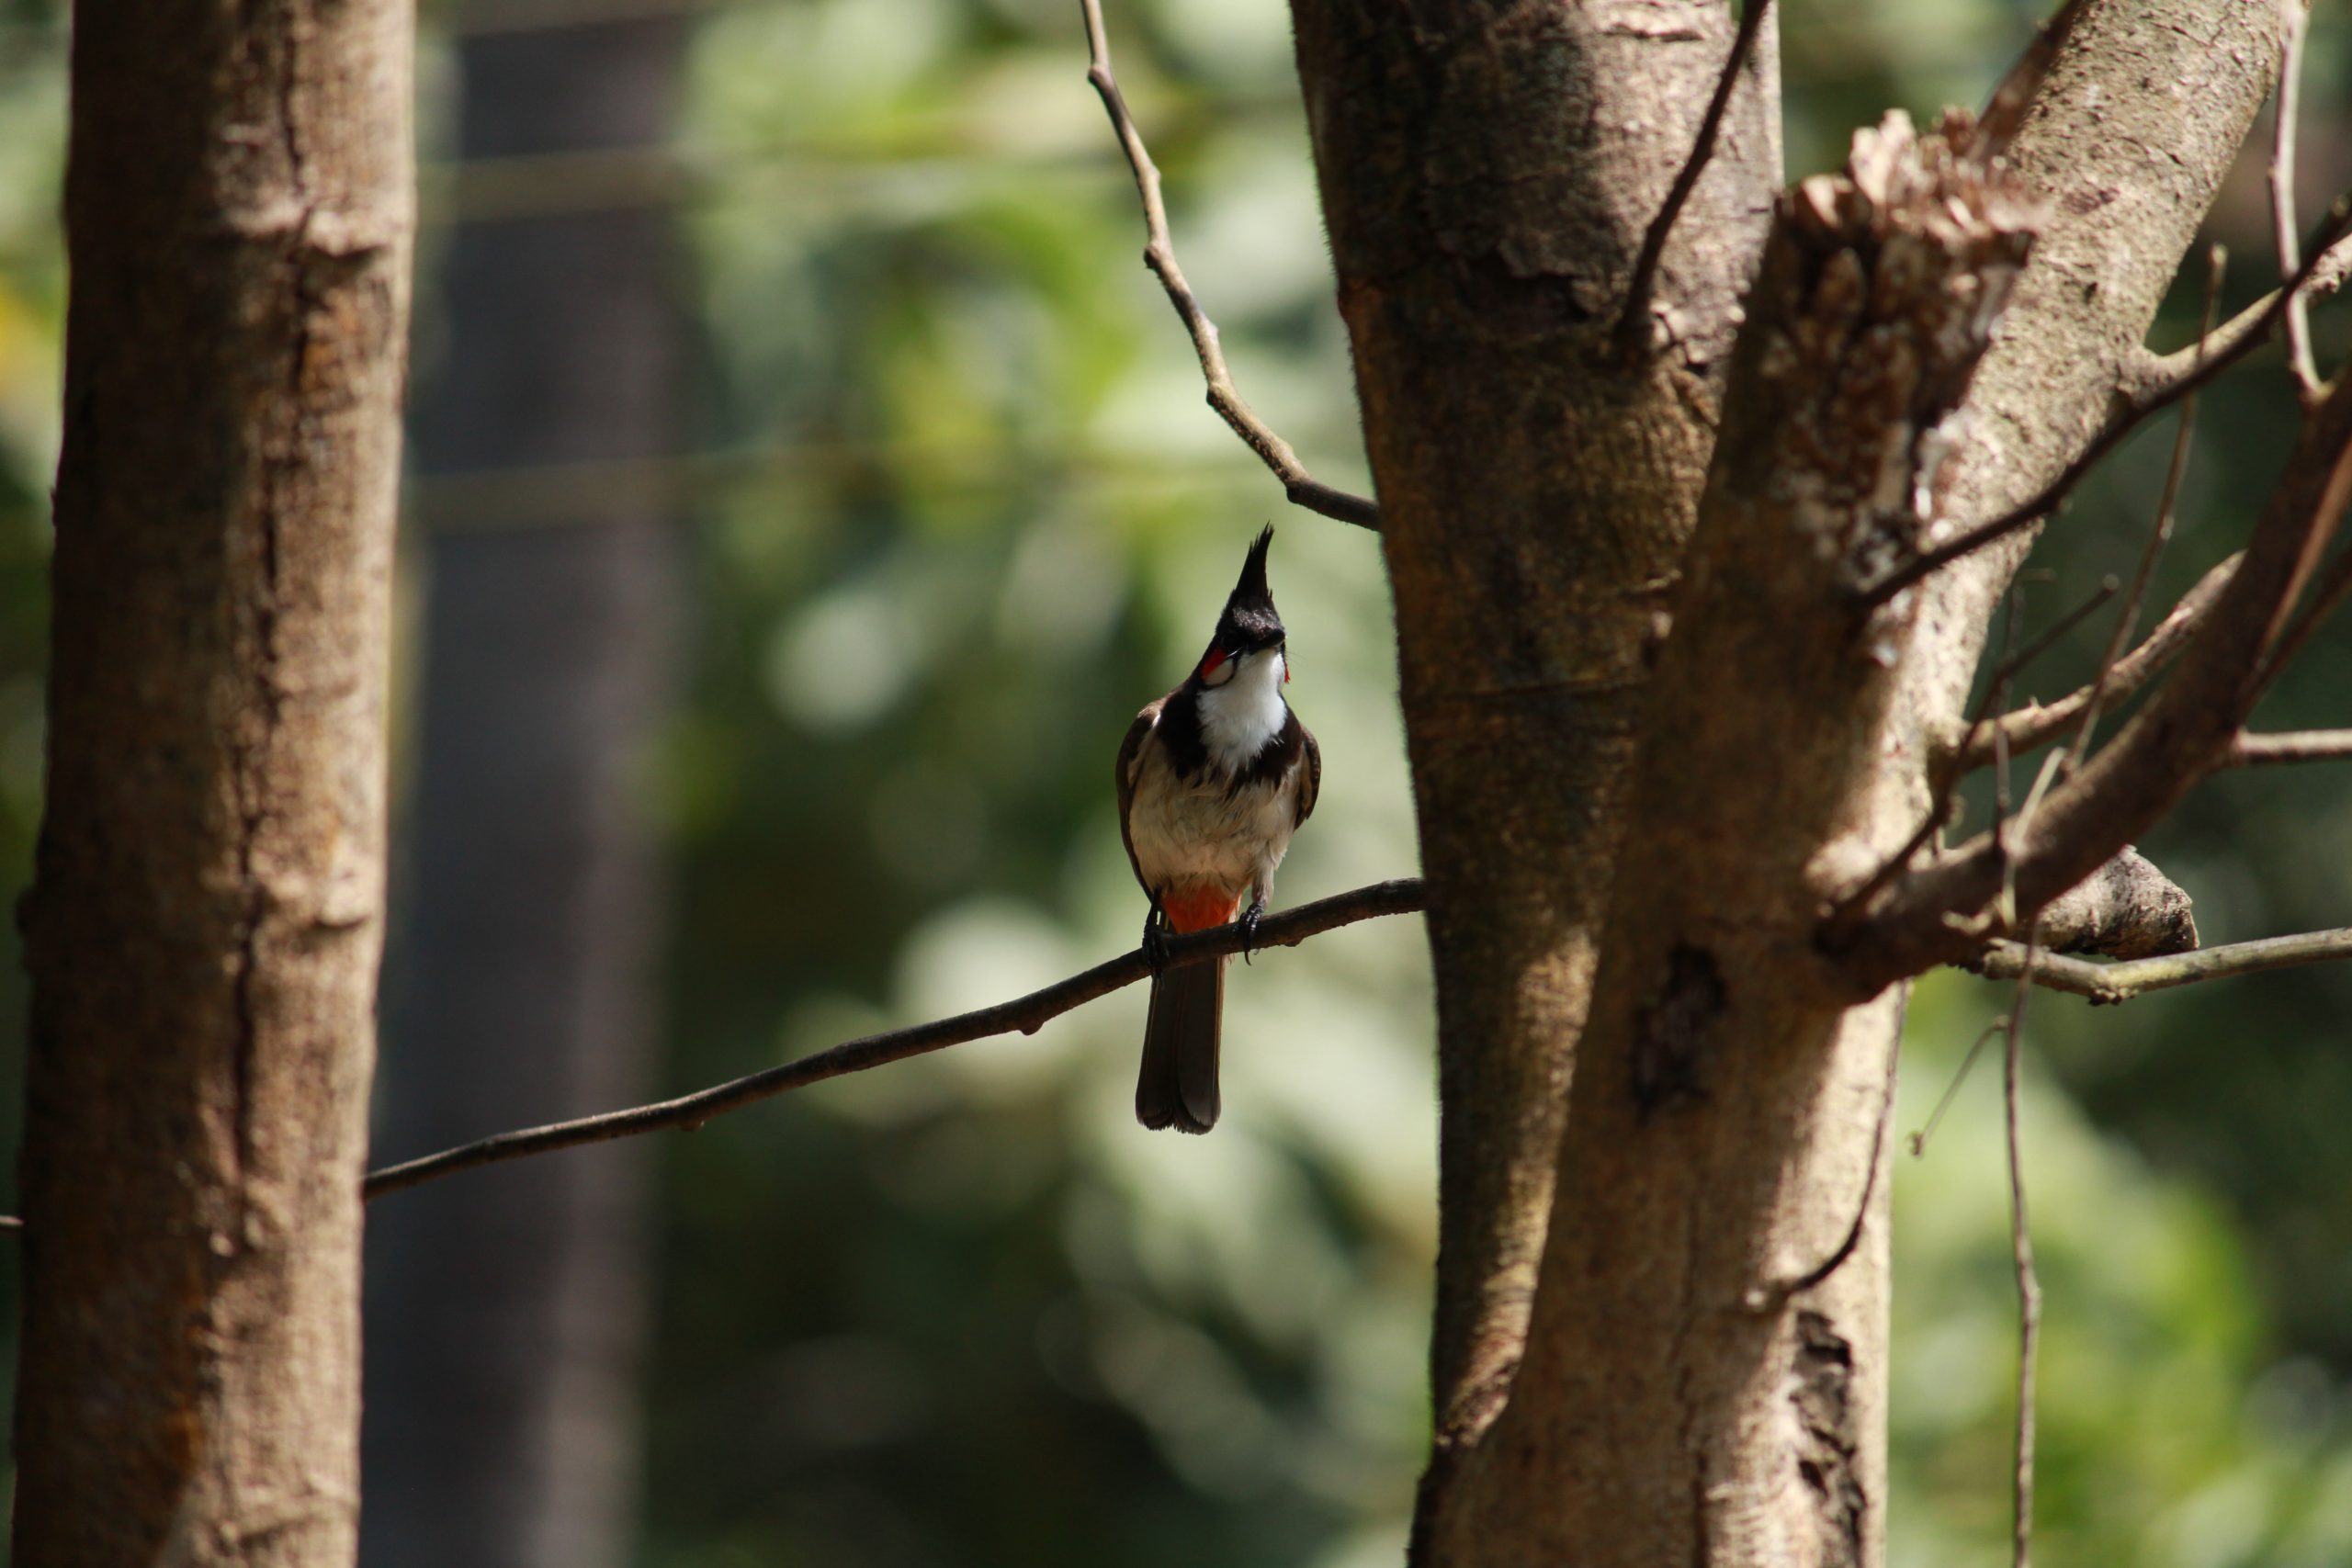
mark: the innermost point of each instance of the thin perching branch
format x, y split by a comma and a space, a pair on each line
2104, 984
2292, 23
1159, 254
1633, 323
2209, 361
1024, 1014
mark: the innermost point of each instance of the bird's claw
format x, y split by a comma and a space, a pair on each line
1155, 942
1248, 924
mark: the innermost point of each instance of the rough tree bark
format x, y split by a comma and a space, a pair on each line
204, 923
1487, 176
505, 1314
1685, 1389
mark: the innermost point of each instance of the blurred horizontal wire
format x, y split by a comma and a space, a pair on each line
550, 185
478, 19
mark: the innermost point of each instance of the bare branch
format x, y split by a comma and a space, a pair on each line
2334, 587
1919, 1140
1159, 255
2021, 1261
2324, 277
1023, 1014
2292, 22
2159, 534
2110, 983
2298, 746
1633, 324
1996, 690
2037, 724
2209, 361
1939, 912
1820, 1273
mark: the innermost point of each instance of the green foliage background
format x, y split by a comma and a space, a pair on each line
957, 511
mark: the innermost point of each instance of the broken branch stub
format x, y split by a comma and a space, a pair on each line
1879, 292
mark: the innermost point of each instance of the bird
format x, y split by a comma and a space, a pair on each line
1213, 779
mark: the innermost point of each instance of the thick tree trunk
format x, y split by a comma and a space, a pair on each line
204, 925
1690, 1393
506, 1310
1487, 176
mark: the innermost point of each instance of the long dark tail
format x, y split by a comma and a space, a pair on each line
1178, 1087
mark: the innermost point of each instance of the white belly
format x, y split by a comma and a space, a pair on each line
1198, 832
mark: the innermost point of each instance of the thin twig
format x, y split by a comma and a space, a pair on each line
2295, 746
2292, 25
1159, 255
1023, 1014
2021, 1258
1943, 912
2127, 620
2111, 983
2038, 724
1819, 1273
2149, 372
2334, 587
1633, 323
1943, 1101
2216, 356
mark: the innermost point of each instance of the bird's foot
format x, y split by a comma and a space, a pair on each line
1155, 942
1248, 924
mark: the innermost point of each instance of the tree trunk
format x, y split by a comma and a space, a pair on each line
1488, 178
205, 924
1690, 1392
506, 1310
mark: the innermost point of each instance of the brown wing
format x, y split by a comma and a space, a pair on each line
1310, 784
1124, 777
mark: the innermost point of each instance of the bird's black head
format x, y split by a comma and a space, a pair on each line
1250, 623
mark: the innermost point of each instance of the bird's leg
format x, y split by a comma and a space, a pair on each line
1155, 936
1248, 924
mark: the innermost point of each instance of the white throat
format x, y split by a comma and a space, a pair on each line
1241, 717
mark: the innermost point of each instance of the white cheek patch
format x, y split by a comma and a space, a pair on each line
1241, 717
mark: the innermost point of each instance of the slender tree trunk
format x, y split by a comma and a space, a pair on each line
506, 1312
1684, 1389
206, 919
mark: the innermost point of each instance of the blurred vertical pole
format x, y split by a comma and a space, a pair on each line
505, 1310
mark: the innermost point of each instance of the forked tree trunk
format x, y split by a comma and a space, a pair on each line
206, 919
1672, 1385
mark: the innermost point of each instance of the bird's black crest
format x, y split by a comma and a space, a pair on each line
1250, 620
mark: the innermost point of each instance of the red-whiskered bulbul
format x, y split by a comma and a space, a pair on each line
1212, 778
